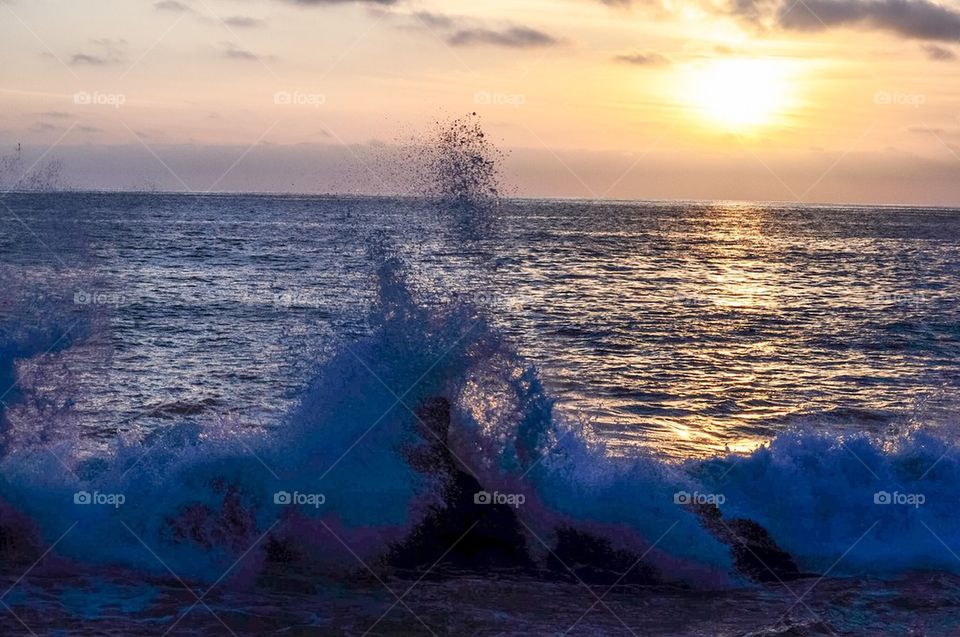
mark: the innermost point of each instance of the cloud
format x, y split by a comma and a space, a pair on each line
435, 20
236, 21
172, 5
938, 53
460, 30
917, 19
234, 52
106, 51
913, 19
85, 58
322, 3
649, 58
512, 37
243, 22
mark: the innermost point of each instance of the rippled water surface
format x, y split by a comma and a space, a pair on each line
686, 326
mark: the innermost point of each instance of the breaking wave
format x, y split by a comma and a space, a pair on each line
393, 448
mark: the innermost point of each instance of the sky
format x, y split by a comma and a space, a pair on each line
785, 100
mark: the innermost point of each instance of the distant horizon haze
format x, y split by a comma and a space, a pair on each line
527, 173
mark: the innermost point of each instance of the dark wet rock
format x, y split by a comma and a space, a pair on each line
495, 539
19, 541
283, 551
231, 525
593, 560
755, 553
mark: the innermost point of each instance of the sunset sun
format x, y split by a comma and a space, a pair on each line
738, 95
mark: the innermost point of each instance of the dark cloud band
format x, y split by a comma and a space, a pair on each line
918, 19
513, 37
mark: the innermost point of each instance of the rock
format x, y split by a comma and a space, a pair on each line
755, 554
495, 541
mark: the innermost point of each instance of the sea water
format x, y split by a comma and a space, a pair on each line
206, 357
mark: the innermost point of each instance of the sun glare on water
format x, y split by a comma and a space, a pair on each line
738, 94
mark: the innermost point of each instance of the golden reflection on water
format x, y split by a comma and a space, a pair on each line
696, 329
722, 371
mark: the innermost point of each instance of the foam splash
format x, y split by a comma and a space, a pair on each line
33, 327
464, 164
204, 501
885, 506
18, 174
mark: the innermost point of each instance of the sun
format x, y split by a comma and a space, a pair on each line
738, 94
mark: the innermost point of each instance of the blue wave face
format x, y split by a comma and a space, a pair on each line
429, 420
885, 505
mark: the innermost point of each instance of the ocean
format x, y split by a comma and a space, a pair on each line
259, 414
